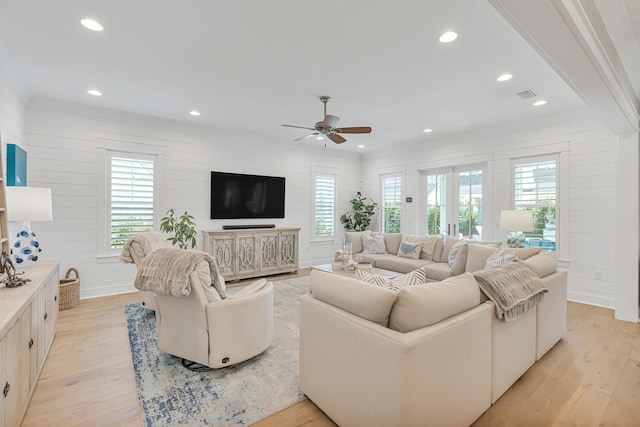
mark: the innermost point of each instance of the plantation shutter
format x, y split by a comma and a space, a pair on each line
325, 205
535, 184
391, 202
131, 198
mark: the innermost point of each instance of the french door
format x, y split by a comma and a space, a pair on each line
454, 202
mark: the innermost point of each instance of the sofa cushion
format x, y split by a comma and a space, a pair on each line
438, 271
373, 244
477, 257
524, 253
437, 250
355, 238
369, 302
543, 263
424, 305
459, 264
409, 250
392, 242
399, 264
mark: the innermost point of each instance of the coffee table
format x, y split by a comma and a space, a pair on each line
375, 270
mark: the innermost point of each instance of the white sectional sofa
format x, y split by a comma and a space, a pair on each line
428, 355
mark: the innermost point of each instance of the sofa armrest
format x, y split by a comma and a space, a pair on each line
240, 328
363, 374
551, 316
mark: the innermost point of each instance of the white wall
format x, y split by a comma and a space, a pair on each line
588, 199
62, 146
12, 119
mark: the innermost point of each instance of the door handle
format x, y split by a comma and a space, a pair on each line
449, 229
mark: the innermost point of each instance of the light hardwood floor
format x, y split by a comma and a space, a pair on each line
590, 378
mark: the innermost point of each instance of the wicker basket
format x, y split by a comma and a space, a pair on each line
69, 290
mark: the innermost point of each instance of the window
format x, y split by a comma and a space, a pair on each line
324, 205
391, 203
436, 204
535, 189
131, 196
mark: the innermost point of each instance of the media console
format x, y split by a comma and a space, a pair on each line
255, 252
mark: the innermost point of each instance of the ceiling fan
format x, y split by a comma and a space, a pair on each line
328, 127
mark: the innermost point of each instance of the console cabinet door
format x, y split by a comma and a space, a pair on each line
10, 385
51, 309
223, 248
269, 253
34, 365
246, 254
289, 251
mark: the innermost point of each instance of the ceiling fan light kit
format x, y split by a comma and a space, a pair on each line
327, 127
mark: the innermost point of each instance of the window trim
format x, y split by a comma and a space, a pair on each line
106, 254
561, 156
383, 177
314, 238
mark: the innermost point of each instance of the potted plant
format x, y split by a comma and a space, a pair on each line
183, 229
359, 217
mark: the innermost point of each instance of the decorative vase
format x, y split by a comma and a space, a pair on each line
25, 250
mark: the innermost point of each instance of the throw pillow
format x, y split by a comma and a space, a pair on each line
499, 257
428, 244
460, 262
373, 244
409, 250
416, 277
454, 251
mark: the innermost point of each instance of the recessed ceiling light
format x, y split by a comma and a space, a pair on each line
194, 113
94, 92
505, 77
319, 137
360, 146
539, 103
427, 130
447, 37
91, 24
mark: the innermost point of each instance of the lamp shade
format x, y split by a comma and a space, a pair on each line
29, 204
512, 220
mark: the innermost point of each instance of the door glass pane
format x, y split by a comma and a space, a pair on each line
470, 204
436, 204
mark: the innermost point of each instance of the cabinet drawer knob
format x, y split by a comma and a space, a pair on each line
55, 298
7, 387
45, 316
30, 343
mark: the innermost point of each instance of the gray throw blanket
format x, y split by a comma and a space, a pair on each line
513, 287
166, 271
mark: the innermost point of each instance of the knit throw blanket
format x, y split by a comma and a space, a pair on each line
166, 271
148, 241
513, 288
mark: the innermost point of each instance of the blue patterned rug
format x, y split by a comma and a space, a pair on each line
171, 395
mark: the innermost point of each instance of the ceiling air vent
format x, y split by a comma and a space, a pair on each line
527, 94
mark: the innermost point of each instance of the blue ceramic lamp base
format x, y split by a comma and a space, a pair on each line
25, 250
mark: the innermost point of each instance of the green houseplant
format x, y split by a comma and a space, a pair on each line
183, 229
359, 217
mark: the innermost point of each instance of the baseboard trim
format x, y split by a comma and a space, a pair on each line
597, 300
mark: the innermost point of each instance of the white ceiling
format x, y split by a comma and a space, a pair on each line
251, 66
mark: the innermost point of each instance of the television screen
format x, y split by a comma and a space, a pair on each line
235, 196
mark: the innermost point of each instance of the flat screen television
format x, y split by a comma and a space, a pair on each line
239, 196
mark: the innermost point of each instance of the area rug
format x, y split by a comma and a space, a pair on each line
239, 395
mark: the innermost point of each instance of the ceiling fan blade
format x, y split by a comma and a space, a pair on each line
306, 136
331, 121
355, 129
336, 138
298, 127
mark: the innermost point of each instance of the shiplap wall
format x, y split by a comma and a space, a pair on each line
588, 202
62, 142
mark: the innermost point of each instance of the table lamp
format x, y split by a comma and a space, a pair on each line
27, 204
516, 221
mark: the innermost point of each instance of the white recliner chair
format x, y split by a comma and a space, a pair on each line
204, 328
